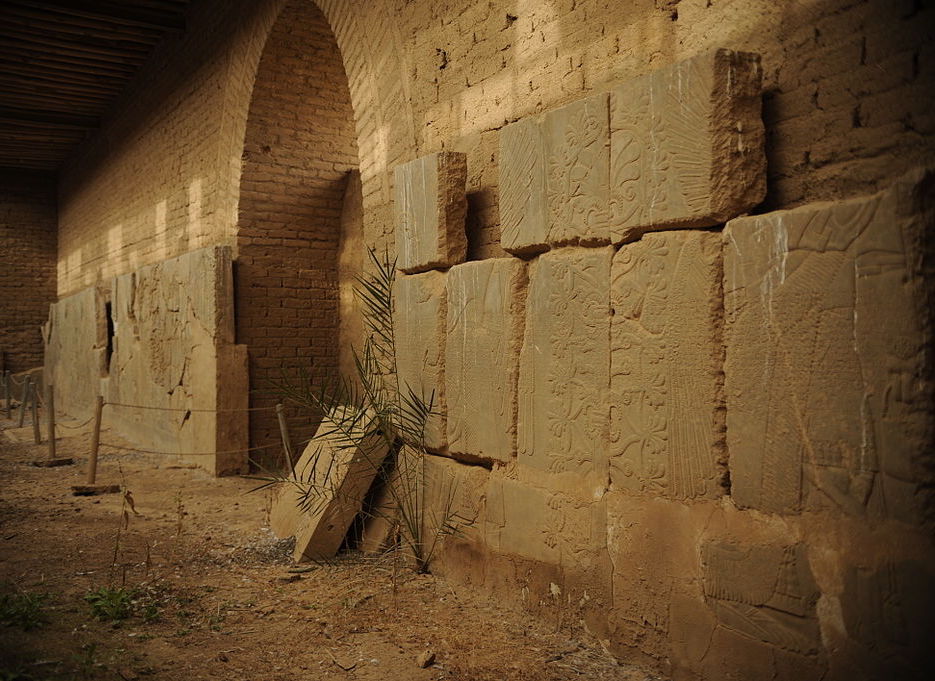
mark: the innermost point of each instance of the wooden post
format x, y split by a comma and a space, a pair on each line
34, 395
7, 393
284, 432
50, 407
24, 396
95, 439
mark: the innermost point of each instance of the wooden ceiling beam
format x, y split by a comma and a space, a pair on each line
118, 12
56, 118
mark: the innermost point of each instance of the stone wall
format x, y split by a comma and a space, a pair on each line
158, 345
27, 265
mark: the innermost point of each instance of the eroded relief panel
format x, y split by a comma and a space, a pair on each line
430, 209
420, 309
766, 592
564, 364
828, 403
665, 430
687, 144
486, 302
524, 224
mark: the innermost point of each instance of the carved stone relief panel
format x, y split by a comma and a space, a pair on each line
665, 430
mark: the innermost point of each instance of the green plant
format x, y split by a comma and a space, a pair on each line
373, 412
23, 609
111, 603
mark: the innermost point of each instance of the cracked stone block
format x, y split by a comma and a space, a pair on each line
431, 205
765, 592
419, 310
486, 302
687, 144
827, 342
327, 489
554, 178
564, 365
666, 430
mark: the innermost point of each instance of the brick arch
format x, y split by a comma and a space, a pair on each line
300, 145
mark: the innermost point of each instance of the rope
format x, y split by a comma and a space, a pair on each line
180, 409
15, 382
230, 451
78, 427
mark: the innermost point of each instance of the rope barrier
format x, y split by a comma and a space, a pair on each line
78, 427
181, 409
230, 451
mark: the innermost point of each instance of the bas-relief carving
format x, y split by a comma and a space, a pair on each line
665, 334
419, 306
486, 301
681, 147
430, 209
766, 592
826, 344
564, 365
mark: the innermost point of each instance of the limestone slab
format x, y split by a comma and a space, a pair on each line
687, 144
564, 365
430, 209
554, 178
827, 339
766, 592
420, 304
666, 432
486, 301
326, 490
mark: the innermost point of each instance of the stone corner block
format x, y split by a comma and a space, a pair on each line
687, 144
430, 210
486, 301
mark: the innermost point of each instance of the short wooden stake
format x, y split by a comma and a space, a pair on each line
50, 407
95, 439
7, 393
24, 396
34, 396
284, 432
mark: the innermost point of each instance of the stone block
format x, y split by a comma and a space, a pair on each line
419, 310
326, 490
486, 302
766, 592
430, 209
562, 424
554, 178
666, 429
687, 144
827, 338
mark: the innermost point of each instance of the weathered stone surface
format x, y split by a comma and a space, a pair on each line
486, 302
420, 308
554, 178
828, 399
666, 429
76, 350
564, 365
326, 492
430, 209
765, 592
687, 144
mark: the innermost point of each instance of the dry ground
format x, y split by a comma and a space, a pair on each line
212, 596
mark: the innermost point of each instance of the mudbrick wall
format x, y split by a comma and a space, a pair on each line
27, 265
704, 435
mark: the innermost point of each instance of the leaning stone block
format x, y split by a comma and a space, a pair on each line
430, 208
326, 489
486, 301
419, 310
554, 186
687, 145
827, 345
666, 431
564, 365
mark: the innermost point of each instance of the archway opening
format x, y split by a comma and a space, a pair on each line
297, 189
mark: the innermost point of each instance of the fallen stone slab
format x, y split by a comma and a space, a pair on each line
93, 490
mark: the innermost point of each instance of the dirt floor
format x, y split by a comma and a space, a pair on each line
188, 583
